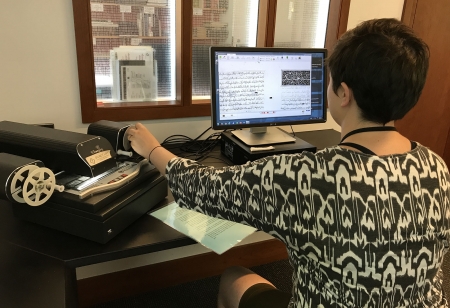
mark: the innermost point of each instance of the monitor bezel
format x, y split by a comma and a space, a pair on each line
214, 49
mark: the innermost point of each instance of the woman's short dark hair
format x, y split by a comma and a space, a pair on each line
385, 64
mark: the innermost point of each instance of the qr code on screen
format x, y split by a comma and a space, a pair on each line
295, 78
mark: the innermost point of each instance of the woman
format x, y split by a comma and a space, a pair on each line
366, 223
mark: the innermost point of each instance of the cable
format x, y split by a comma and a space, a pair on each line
293, 134
194, 149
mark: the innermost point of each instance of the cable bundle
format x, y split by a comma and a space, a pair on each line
194, 149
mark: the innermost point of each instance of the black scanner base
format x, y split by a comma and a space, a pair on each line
240, 153
98, 227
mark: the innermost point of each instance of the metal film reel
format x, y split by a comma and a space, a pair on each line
40, 184
17, 182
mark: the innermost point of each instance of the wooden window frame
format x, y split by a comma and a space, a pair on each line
183, 106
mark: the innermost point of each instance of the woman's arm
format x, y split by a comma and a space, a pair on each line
258, 193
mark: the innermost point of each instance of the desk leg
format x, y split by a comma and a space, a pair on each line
31, 280
71, 291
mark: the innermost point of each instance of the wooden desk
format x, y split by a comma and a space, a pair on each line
37, 264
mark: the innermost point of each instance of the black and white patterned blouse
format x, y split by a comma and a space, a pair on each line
360, 230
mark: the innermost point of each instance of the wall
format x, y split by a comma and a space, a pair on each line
361, 10
38, 79
38, 83
296, 18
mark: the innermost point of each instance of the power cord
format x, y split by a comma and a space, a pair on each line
293, 134
194, 149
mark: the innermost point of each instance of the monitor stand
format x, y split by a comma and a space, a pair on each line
258, 136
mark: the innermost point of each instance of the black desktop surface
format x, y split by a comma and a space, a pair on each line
37, 264
146, 235
239, 153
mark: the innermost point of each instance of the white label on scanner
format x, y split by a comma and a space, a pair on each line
97, 158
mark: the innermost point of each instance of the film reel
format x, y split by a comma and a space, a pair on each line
125, 142
39, 186
18, 181
124, 153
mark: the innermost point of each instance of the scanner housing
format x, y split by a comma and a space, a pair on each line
59, 150
120, 189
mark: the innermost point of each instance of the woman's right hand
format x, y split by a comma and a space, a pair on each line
141, 140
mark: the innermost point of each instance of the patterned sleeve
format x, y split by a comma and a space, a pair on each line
254, 193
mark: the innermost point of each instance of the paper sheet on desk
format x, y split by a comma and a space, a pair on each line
216, 234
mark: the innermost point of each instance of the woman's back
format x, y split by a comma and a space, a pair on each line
369, 231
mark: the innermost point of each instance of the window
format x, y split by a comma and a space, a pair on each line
301, 23
173, 37
134, 50
224, 23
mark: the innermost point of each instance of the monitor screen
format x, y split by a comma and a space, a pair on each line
260, 87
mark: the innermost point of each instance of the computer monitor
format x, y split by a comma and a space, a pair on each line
259, 88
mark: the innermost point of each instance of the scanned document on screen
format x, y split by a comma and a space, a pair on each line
216, 234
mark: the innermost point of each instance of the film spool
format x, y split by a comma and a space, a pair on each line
125, 142
17, 182
124, 153
39, 186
